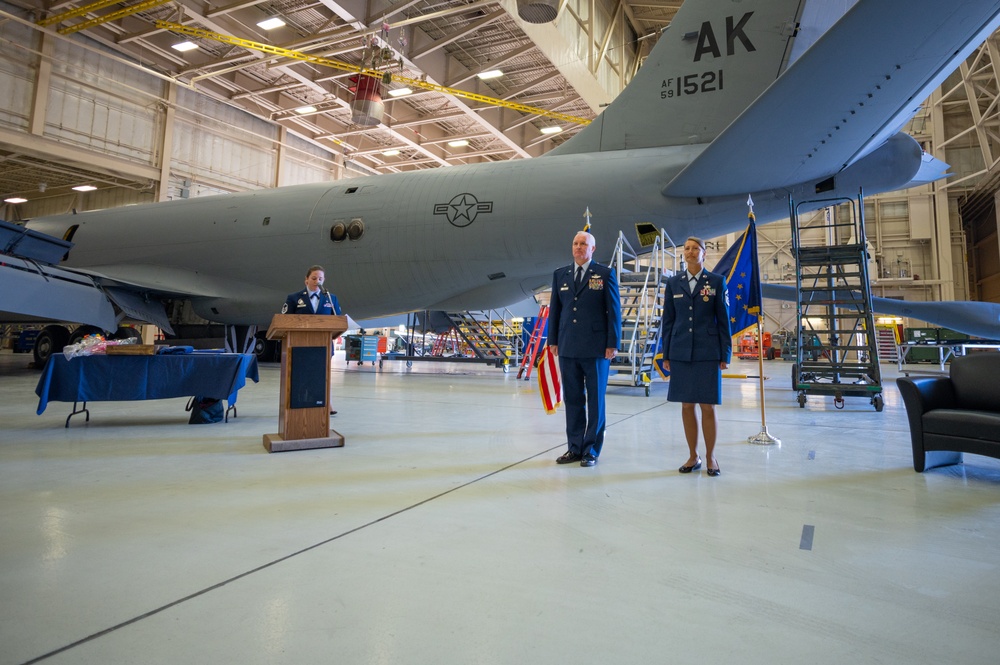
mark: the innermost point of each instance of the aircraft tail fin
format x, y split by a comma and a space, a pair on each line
713, 60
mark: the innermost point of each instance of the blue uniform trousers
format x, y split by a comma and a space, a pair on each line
584, 382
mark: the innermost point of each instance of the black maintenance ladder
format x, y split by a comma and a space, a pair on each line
837, 350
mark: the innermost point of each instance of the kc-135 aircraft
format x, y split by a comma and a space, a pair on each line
771, 98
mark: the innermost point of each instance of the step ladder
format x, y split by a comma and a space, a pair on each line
535, 342
443, 342
837, 350
888, 342
641, 277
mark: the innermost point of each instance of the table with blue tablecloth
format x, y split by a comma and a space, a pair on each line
113, 378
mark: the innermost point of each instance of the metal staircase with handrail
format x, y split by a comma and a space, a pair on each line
640, 283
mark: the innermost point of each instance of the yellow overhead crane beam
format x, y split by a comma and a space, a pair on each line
347, 67
79, 11
113, 16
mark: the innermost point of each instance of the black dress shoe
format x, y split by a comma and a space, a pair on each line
332, 412
568, 458
693, 467
713, 472
588, 460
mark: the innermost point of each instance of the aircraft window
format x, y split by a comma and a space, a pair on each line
356, 229
267, 220
338, 232
351, 190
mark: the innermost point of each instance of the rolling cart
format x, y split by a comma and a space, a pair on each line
362, 349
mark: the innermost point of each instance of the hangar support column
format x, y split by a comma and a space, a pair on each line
166, 138
941, 251
43, 80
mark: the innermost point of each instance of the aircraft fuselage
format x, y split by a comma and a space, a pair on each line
469, 237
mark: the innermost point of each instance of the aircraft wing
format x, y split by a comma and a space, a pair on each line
139, 291
33, 292
843, 97
979, 319
36, 290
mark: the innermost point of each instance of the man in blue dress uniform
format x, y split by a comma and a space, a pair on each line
585, 323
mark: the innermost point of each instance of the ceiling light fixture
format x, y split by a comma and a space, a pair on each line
84, 188
399, 92
458, 144
390, 153
184, 46
555, 129
271, 23
490, 74
306, 109
15, 199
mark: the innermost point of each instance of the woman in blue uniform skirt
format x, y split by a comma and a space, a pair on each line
696, 348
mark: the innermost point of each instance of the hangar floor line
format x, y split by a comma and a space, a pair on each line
444, 532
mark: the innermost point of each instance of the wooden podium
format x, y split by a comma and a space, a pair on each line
304, 408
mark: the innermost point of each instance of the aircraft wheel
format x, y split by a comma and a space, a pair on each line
82, 332
50, 340
127, 332
259, 345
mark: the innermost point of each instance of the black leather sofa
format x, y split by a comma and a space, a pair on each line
955, 414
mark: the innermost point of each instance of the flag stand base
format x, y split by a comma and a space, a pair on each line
762, 438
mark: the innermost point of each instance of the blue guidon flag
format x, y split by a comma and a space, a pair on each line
739, 267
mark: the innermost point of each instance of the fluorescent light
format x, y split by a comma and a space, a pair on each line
15, 199
305, 109
271, 23
551, 130
390, 153
184, 46
399, 92
458, 144
490, 74
84, 188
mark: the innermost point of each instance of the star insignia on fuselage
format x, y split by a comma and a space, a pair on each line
463, 209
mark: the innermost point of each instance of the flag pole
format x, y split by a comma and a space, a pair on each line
763, 437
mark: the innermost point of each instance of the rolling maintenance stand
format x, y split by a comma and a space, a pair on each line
838, 353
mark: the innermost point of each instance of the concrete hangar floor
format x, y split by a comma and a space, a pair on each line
444, 532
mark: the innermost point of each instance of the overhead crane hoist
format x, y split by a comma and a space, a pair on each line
357, 69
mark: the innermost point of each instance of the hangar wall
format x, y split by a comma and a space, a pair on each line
71, 102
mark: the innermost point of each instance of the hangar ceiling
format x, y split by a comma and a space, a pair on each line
445, 42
